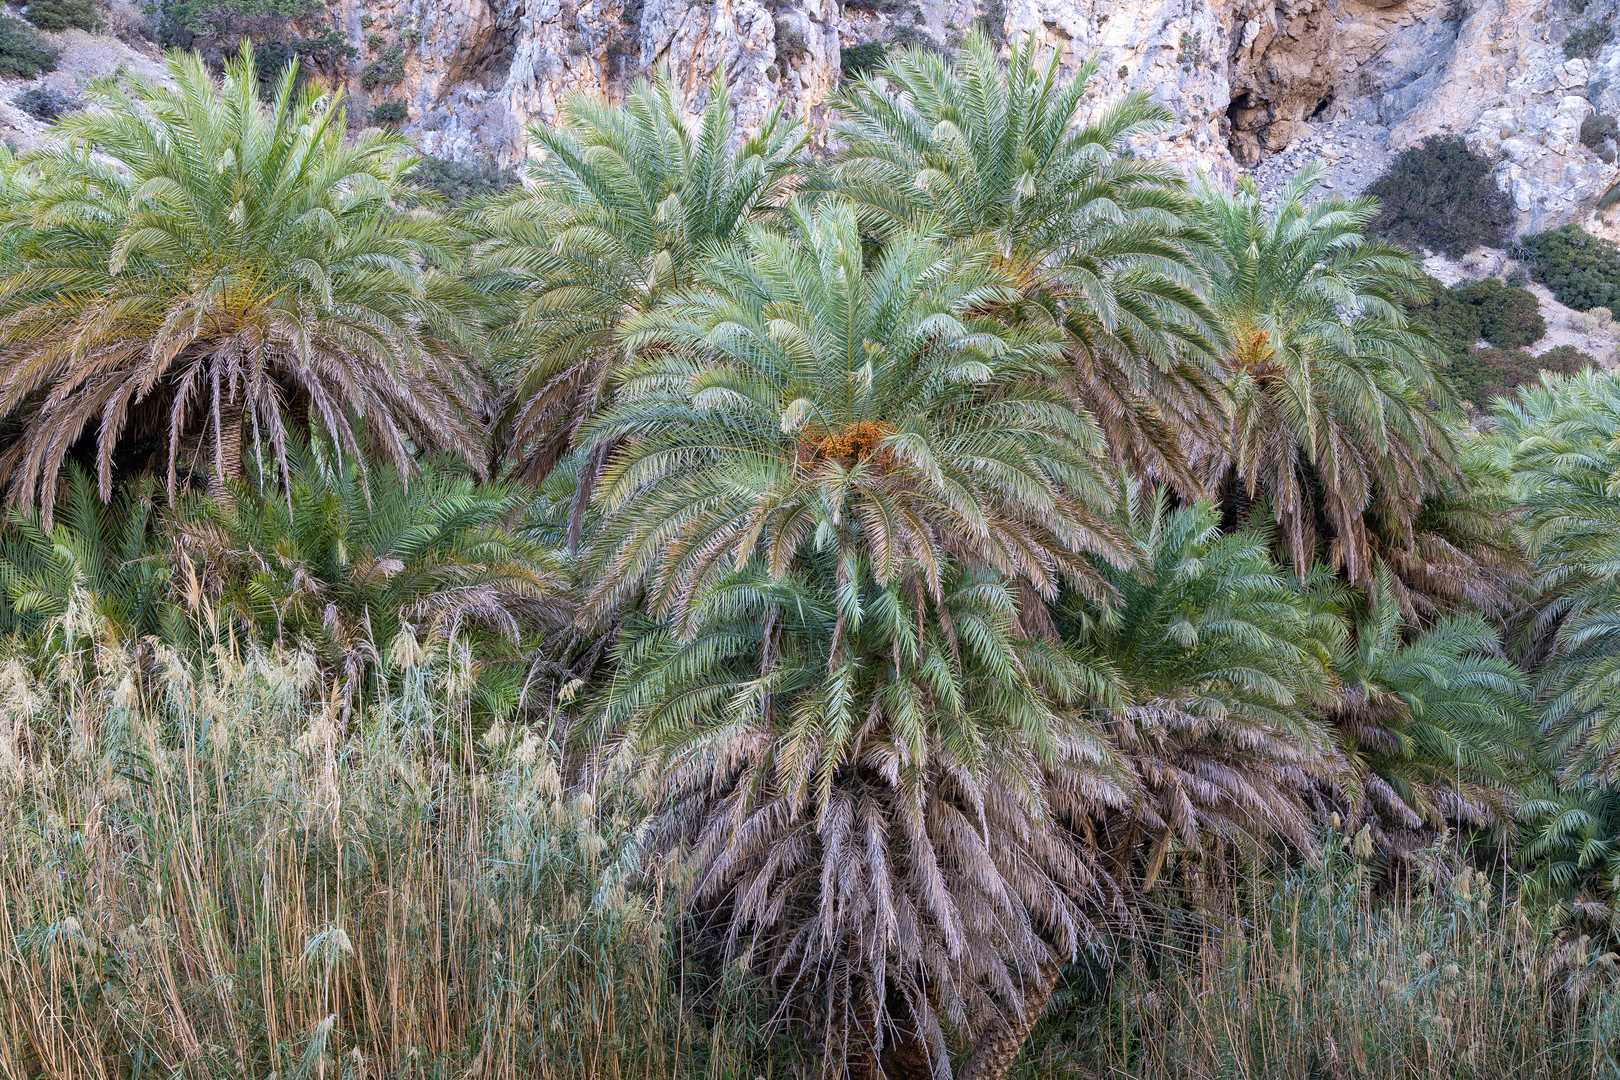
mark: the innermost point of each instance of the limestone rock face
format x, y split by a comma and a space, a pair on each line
477, 71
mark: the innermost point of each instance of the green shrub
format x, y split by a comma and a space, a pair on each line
1586, 41
459, 181
790, 43
1597, 127
387, 70
1442, 196
1507, 316
858, 59
390, 112
992, 21
64, 14
23, 53
43, 103
1583, 271
216, 26
1483, 374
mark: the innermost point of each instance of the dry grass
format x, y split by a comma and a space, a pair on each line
1314, 977
206, 875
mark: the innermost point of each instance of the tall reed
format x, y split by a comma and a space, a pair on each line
1317, 974
205, 873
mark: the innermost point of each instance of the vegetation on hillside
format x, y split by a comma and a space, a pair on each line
1441, 196
965, 604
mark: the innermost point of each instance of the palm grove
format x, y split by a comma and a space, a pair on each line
936, 556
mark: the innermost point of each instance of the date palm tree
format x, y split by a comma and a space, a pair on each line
345, 560
1435, 724
1335, 413
843, 498
1095, 239
1224, 666
620, 211
1562, 437
194, 273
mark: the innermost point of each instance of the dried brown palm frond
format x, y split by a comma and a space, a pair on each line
899, 833
1225, 667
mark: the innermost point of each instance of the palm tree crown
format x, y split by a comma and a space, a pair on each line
196, 266
1095, 239
622, 209
1334, 410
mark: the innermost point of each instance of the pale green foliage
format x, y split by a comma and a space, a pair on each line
1223, 667
1435, 722
843, 496
1097, 241
1334, 411
1563, 436
803, 398
193, 262
350, 565
620, 213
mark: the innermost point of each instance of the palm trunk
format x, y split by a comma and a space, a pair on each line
226, 463
998, 1047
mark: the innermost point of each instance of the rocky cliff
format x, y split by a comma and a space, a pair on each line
1260, 85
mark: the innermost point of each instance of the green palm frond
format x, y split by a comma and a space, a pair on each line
344, 562
1335, 414
1224, 666
1437, 724
623, 209
1097, 241
1563, 438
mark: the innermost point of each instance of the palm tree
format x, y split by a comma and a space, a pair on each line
1334, 410
1435, 725
1562, 436
197, 270
105, 561
843, 498
1224, 667
621, 211
1095, 239
350, 564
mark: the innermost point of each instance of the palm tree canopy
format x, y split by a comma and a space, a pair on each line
1223, 667
1097, 240
1563, 441
351, 564
621, 209
195, 264
800, 397
1435, 724
1334, 407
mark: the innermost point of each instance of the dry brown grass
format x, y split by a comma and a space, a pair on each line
1313, 978
207, 875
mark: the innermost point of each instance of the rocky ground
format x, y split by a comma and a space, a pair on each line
1352, 151
126, 47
